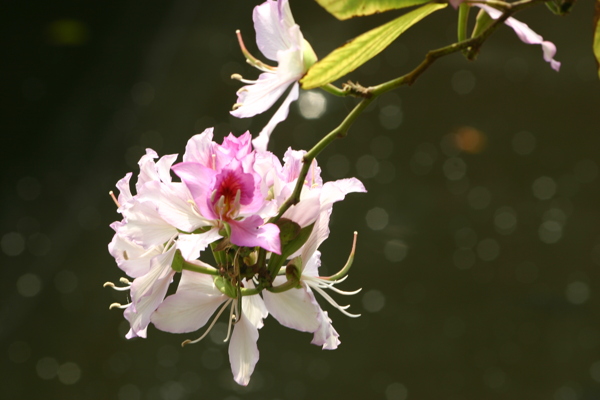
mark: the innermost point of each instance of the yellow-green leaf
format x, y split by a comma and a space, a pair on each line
361, 49
597, 35
344, 9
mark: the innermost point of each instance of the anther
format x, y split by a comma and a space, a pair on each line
237, 77
236, 106
118, 305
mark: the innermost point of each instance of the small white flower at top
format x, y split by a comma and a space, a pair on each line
279, 39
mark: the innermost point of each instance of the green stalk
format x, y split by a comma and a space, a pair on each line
199, 268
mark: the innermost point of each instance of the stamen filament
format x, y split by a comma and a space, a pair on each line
250, 58
346, 267
188, 341
117, 288
118, 305
112, 195
333, 303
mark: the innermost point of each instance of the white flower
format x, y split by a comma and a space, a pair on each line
279, 39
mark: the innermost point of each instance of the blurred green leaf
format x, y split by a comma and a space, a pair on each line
344, 9
361, 49
597, 35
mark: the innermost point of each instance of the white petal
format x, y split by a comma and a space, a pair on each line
326, 335
189, 309
163, 167
192, 245
258, 97
305, 212
243, 351
272, 27
261, 142
144, 225
147, 169
175, 205
296, 308
200, 148
132, 258
148, 291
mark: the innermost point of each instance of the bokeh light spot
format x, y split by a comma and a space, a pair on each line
377, 218
312, 105
29, 285
373, 301
395, 250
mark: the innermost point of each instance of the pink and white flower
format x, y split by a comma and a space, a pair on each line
279, 39
228, 191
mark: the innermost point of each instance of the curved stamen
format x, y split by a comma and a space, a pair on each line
346, 267
333, 303
117, 288
188, 341
255, 62
118, 305
232, 319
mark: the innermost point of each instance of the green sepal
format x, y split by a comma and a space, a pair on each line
292, 237
226, 287
482, 22
361, 49
344, 9
177, 264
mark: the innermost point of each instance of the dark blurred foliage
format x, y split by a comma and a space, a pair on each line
479, 239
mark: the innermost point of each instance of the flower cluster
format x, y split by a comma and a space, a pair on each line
229, 198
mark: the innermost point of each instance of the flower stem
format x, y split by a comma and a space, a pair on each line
199, 268
339, 132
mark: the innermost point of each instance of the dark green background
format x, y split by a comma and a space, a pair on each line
447, 321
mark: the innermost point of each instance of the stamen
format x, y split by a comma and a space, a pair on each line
333, 303
250, 58
346, 268
231, 319
118, 305
112, 195
188, 341
117, 288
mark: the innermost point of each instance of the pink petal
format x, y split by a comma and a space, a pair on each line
199, 180
251, 232
526, 34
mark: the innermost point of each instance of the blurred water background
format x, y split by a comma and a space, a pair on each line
479, 239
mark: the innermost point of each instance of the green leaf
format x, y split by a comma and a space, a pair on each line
344, 9
353, 54
597, 35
